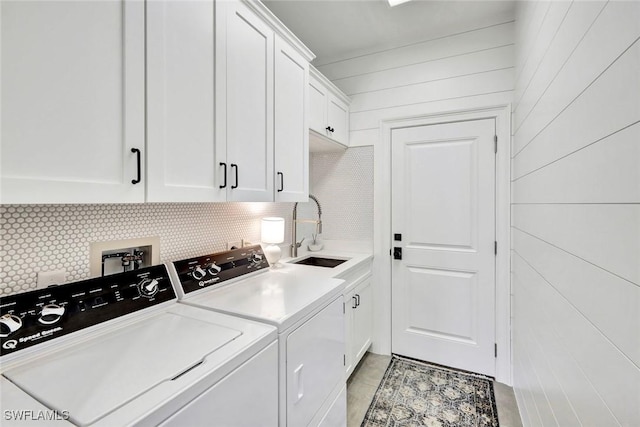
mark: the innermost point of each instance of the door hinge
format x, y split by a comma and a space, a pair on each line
495, 248
495, 143
344, 360
343, 309
495, 349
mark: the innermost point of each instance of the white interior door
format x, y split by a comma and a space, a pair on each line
443, 208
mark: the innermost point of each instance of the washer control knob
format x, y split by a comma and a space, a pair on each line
50, 314
256, 258
198, 273
9, 323
214, 269
148, 287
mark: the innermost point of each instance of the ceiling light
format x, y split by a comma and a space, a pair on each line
396, 2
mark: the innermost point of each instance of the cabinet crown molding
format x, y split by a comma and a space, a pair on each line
280, 29
314, 73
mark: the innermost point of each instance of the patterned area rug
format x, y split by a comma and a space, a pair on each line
415, 393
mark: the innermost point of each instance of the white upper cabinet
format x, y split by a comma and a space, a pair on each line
225, 84
291, 129
263, 69
318, 100
328, 113
338, 119
245, 109
181, 149
72, 102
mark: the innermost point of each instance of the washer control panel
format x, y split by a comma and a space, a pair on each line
209, 270
38, 316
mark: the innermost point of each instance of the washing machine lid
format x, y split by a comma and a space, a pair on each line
92, 379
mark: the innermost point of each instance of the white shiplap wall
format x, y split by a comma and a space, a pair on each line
468, 70
576, 213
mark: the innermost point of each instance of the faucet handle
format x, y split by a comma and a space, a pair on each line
298, 244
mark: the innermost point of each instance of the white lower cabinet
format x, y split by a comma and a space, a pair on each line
358, 321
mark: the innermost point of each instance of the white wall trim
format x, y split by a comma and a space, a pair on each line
382, 227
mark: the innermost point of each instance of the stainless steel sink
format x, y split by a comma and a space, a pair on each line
320, 261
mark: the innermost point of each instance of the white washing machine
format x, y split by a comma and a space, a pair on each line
307, 311
120, 351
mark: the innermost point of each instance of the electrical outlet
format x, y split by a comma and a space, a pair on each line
48, 278
234, 245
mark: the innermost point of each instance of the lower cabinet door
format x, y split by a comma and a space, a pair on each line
315, 363
362, 321
247, 397
349, 307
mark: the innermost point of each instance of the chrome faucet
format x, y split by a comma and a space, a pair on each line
294, 243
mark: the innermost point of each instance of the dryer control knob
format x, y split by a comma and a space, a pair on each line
148, 287
198, 273
50, 314
9, 323
256, 258
214, 269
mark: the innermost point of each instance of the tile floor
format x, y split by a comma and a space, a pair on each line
364, 381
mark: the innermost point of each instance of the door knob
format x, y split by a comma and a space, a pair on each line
397, 253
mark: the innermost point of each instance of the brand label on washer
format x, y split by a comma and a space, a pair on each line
204, 283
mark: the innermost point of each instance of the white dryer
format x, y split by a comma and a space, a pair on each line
309, 315
119, 351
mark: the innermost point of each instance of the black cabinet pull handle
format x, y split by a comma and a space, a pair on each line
281, 181
138, 161
355, 302
224, 165
328, 128
234, 166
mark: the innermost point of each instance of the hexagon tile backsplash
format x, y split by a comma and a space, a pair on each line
49, 237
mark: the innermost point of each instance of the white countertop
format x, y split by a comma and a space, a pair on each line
354, 260
283, 295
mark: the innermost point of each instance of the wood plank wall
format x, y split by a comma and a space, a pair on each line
576, 213
466, 70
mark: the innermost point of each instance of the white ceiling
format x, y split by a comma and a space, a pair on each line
339, 29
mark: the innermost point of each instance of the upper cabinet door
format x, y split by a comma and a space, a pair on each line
317, 106
291, 129
72, 102
182, 164
338, 119
245, 69
328, 114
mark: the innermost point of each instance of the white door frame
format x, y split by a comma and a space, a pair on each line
382, 227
